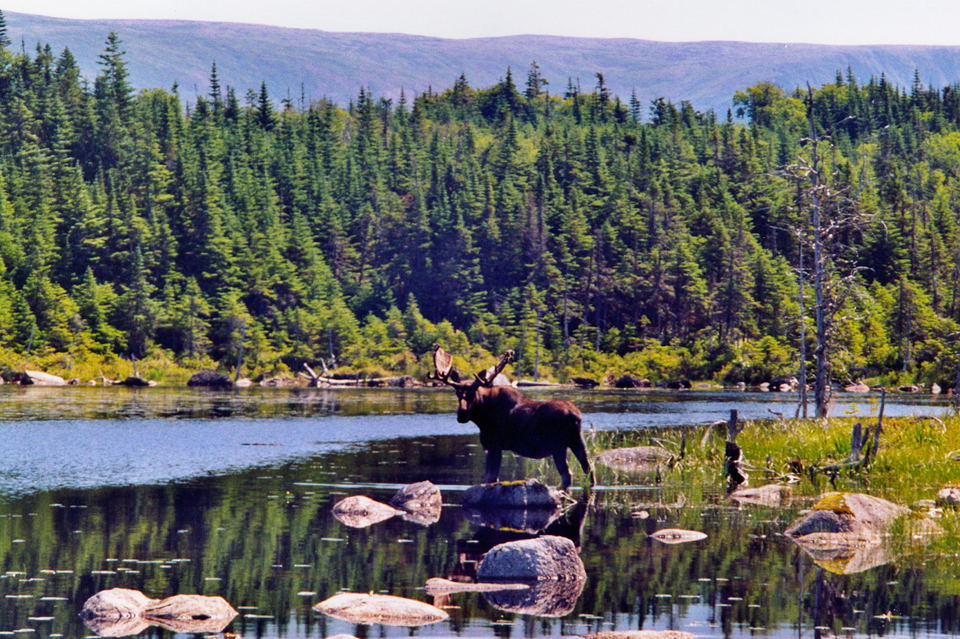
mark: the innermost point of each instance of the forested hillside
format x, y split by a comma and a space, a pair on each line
590, 235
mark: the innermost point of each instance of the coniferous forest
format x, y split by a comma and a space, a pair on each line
593, 234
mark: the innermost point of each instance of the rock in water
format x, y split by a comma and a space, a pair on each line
116, 603
529, 493
641, 634
638, 459
121, 612
851, 517
547, 557
421, 503
769, 495
678, 535
360, 511
383, 609
210, 379
190, 607
438, 586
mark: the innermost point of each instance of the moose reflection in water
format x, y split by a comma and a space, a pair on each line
510, 421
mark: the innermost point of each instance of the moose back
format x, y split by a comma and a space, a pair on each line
508, 420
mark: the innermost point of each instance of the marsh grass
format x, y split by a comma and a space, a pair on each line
916, 455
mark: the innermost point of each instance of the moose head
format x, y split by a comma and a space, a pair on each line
510, 421
468, 393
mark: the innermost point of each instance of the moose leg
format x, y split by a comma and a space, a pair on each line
579, 449
494, 457
560, 459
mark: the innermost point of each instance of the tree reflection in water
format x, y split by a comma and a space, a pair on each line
265, 540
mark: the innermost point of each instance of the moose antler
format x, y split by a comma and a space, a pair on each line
443, 369
487, 376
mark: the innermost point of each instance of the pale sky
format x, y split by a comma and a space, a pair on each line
815, 21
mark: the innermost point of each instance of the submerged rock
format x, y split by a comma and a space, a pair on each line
360, 511
529, 493
635, 459
438, 586
769, 495
383, 609
677, 535
547, 557
210, 379
421, 503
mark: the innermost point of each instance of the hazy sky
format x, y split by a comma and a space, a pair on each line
819, 21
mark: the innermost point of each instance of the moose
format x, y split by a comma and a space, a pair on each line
510, 421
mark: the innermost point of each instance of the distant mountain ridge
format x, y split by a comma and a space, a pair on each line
336, 65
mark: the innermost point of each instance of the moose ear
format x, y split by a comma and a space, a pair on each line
455, 375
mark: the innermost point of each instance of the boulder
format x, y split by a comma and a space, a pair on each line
210, 379
120, 612
360, 511
632, 381
189, 608
585, 382
769, 495
636, 459
843, 519
524, 493
680, 384
115, 604
243, 382
135, 382
546, 557
677, 535
935, 389
949, 496
544, 598
436, 586
36, 378
383, 609
421, 503
859, 387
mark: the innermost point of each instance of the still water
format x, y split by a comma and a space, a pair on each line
171, 491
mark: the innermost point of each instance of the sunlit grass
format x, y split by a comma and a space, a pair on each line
915, 458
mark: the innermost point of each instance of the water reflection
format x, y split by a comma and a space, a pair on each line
265, 539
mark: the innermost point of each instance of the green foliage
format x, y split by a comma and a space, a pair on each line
563, 227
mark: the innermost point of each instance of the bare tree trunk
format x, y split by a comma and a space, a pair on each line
802, 407
821, 385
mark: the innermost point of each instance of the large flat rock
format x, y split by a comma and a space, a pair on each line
528, 493
383, 609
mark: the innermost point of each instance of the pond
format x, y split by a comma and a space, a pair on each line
172, 491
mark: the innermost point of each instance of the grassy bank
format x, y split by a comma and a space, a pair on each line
916, 456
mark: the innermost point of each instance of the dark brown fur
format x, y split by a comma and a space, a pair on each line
510, 421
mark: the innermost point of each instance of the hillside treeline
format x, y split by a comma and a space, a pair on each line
588, 233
